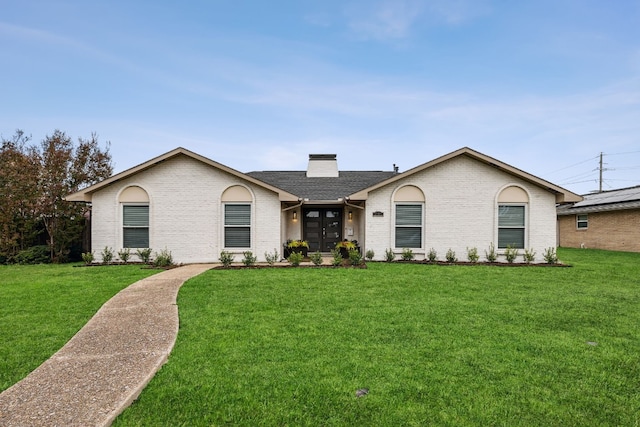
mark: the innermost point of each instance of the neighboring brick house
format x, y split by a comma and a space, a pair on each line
606, 220
196, 207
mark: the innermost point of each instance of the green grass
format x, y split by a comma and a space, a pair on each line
436, 345
43, 306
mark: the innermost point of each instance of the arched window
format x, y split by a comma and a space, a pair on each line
409, 226
236, 203
135, 217
512, 217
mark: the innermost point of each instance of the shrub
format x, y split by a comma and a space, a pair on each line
163, 258
107, 255
355, 257
295, 258
451, 256
87, 257
369, 254
550, 256
472, 254
226, 258
432, 256
40, 254
389, 256
491, 254
316, 258
297, 244
336, 257
249, 259
529, 256
124, 254
272, 258
407, 254
510, 254
144, 255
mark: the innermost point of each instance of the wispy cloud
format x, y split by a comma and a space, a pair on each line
383, 20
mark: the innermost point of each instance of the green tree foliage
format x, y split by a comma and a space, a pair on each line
35, 179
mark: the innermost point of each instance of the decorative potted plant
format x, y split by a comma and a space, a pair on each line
300, 246
347, 246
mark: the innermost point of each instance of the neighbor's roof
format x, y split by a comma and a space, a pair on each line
562, 195
84, 195
612, 200
322, 188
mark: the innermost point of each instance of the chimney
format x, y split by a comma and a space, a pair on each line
322, 166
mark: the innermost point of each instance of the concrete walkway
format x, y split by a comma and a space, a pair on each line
105, 366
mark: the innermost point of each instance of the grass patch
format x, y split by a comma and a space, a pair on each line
435, 345
43, 306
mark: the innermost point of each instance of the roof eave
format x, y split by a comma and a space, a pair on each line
85, 194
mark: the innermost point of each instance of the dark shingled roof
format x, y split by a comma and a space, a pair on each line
611, 200
296, 182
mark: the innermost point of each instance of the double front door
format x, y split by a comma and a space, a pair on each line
322, 228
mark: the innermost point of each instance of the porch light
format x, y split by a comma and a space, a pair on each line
350, 215
295, 215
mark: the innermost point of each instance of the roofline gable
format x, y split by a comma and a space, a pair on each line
562, 195
84, 195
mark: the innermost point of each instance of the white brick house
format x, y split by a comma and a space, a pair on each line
196, 207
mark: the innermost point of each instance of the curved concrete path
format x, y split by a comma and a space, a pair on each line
105, 366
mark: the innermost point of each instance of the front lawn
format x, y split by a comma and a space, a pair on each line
435, 345
43, 306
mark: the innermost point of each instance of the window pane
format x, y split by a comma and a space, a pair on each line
135, 216
408, 215
135, 238
510, 216
237, 215
513, 237
237, 237
408, 237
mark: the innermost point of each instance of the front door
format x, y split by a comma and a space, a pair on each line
322, 228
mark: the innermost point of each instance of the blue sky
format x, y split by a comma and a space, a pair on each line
543, 85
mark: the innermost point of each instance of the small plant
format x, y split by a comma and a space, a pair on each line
355, 257
389, 256
316, 258
87, 257
432, 256
144, 255
124, 254
369, 254
336, 257
550, 256
407, 254
451, 256
107, 255
249, 259
226, 258
345, 244
511, 253
529, 256
295, 258
491, 253
272, 258
472, 254
163, 258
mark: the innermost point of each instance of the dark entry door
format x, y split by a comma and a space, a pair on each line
322, 228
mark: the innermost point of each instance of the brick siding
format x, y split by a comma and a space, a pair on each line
613, 230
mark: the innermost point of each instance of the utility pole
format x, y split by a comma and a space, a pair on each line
600, 188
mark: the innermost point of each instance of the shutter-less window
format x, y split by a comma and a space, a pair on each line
511, 226
135, 221
237, 226
582, 221
408, 226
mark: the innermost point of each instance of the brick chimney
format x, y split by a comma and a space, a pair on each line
322, 166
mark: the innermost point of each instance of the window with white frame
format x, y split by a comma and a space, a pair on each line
135, 226
511, 226
582, 221
408, 225
237, 225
